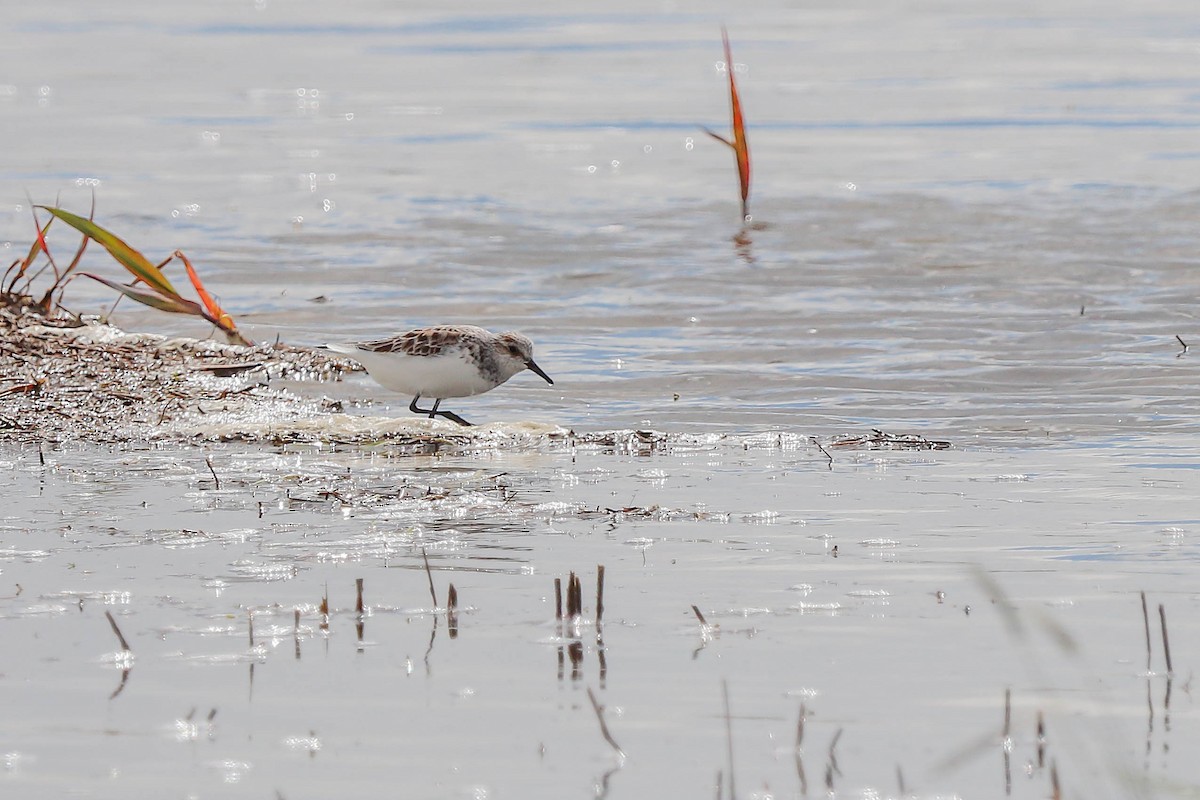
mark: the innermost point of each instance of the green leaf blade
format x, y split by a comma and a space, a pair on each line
127, 256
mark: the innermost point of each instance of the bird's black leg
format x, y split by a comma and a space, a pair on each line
433, 412
430, 411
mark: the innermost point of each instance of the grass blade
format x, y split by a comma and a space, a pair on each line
128, 257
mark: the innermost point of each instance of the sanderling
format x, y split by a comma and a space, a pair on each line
444, 361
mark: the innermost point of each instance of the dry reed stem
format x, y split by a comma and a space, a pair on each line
429, 575
574, 597
216, 480
599, 593
1146, 623
1162, 617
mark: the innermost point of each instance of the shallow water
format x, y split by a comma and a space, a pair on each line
896, 641
967, 225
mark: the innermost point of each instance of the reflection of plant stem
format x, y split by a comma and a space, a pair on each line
603, 725
120, 686
729, 739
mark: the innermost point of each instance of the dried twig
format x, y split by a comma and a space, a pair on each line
124, 644
1162, 617
599, 593
1146, 622
821, 447
216, 480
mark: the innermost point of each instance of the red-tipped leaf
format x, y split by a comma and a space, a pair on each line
39, 244
741, 147
216, 315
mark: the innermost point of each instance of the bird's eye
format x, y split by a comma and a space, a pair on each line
514, 351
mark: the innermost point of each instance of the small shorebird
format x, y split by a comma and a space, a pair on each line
444, 361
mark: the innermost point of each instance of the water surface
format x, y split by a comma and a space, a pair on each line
969, 224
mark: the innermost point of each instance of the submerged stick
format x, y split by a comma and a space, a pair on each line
429, 575
603, 725
120, 638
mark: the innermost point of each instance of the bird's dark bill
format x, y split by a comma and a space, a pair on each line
535, 368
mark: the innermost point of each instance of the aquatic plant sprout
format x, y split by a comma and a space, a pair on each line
158, 292
741, 148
